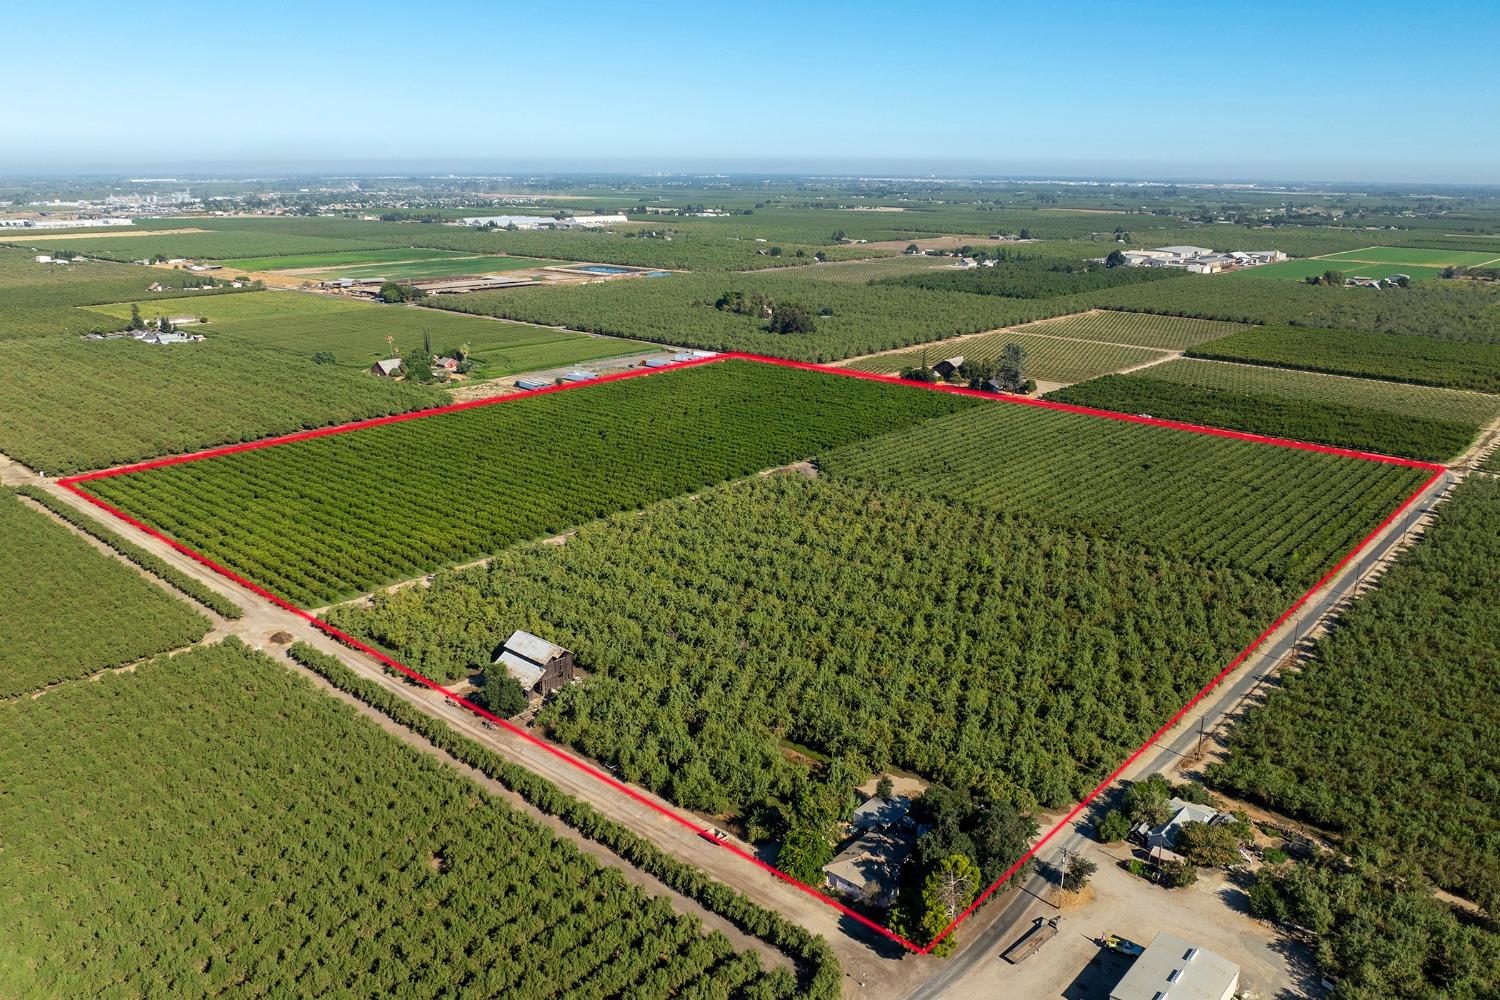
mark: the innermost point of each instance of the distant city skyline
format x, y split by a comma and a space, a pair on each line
1368, 93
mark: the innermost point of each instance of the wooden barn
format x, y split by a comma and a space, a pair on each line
948, 366
539, 666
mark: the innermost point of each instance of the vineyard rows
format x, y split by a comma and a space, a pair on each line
292, 843
1393, 356
1053, 359
1264, 404
1397, 399
1167, 333
326, 518
1279, 511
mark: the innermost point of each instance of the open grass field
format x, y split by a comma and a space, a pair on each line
1414, 257
1298, 270
1169, 333
292, 262
1387, 735
67, 610
437, 267
222, 823
1278, 511
1052, 359
323, 519
1390, 356
67, 404
213, 245
858, 272
356, 332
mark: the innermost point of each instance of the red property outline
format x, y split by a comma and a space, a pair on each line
71, 483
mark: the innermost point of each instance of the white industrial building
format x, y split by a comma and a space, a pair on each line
1172, 969
63, 223
542, 221
1200, 260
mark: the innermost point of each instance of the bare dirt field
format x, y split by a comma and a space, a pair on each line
105, 234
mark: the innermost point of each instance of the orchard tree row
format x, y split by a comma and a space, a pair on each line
1390, 735
254, 853
878, 629
326, 518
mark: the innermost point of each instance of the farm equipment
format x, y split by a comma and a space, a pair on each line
1031, 942
1124, 946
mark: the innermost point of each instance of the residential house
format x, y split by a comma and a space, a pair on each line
868, 868
389, 368
537, 664
1165, 835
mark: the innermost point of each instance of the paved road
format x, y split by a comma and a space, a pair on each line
1017, 909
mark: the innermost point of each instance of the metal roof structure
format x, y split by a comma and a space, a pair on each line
522, 669
1172, 969
534, 648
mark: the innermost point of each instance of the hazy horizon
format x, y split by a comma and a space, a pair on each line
1269, 93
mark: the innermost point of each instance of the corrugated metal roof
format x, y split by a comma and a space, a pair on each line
521, 669
1172, 967
532, 647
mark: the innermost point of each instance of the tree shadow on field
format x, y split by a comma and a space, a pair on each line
878, 943
1236, 891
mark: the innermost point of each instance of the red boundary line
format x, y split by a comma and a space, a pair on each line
71, 483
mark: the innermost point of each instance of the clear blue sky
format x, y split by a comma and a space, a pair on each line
1339, 91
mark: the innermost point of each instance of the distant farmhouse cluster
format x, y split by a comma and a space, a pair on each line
63, 223
541, 221
1200, 260
162, 331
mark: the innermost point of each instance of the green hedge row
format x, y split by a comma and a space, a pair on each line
819, 970
155, 565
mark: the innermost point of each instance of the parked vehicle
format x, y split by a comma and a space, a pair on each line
1031, 942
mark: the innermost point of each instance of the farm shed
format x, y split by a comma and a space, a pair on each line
948, 366
1171, 967
532, 383
537, 664
389, 368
